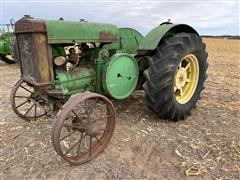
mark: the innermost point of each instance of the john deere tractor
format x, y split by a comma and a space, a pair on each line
75, 68
7, 43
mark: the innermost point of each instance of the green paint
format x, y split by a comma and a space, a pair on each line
109, 67
100, 62
58, 50
130, 40
153, 38
67, 32
59, 32
5, 45
99, 67
78, 80
62, 33
120, 76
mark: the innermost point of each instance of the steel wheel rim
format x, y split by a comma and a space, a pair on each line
98, 147
186, 79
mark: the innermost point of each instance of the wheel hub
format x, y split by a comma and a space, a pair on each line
186, 78
181, 78
83, 125
79, 124
92, 129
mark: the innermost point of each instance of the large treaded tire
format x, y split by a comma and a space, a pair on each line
160, 75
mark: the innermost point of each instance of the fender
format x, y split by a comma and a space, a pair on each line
164, 30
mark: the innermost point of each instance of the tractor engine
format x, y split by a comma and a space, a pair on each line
61, 58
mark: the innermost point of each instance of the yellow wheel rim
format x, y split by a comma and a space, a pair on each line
186, 79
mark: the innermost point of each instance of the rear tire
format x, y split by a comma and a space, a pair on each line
162, 76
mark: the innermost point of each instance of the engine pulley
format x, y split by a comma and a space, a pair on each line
120, 76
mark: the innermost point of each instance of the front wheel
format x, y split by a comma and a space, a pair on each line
176, 75
83, 127
25, 101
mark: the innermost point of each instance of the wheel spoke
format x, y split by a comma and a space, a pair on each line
28, 110
76, 115
70, 118
181, 92
21, 97
74, 126
69, 134
71, 148
26, 89
79, 145
187, 66
22, 104
90, 108
98, 140
103, 129
90, 146
35, 111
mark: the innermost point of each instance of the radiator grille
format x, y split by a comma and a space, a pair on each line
28, 57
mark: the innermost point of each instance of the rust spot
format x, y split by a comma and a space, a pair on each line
106, 36
34, 61
29, 25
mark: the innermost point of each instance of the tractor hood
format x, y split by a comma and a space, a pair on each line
59, 31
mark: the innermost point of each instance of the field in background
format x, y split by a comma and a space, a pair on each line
204, 146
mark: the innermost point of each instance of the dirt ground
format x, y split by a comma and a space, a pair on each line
204, 146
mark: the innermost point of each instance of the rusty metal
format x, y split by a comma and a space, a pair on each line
34, 59
54, 92
30, 105
28, 25
33, 52
106, 36
76, 118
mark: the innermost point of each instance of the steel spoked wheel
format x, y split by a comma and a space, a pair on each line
186, 78
83, 127
26, 103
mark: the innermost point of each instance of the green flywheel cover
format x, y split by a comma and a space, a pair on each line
120, 76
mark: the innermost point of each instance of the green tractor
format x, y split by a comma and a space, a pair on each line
74, 68
7, 43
